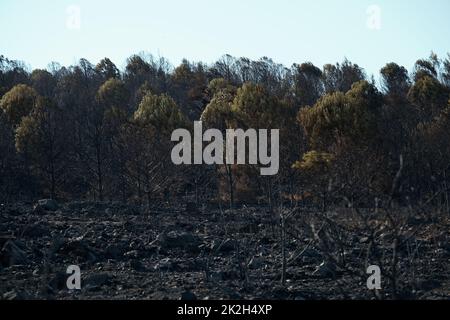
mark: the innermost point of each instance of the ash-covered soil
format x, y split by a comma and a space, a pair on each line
130, 252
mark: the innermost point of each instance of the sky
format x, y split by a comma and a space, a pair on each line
369, 33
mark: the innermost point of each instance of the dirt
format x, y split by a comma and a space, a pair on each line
168, 252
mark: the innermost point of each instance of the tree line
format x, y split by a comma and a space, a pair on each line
96, 132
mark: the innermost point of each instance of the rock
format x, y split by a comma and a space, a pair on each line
364, 240
224, 246
308, 256
216, 276
191, 207
137, 265
78, 248
256, 263
188, 296
280, 292
131, 211
133, 254
58, 282
325, 270
11, 255
416, 220
46, 205
16, 295
311, 253
428, 285
176, 240
164, 265
115, 251
5, 238
96, 281
35, 230
150, 250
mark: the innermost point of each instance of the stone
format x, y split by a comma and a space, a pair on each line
183, 240
224, 246
427, 285
137, 265
188, 296
191, 207
58, 282
364, 240
79, 248
11, 255
46, 205
16, 295
256, 263
133, 254
35, 230
95, 281
165, 264
325, 270
115, 251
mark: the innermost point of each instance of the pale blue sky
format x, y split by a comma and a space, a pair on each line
321, 31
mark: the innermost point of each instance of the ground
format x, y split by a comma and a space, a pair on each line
168, 252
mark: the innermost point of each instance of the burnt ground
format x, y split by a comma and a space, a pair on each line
127, 252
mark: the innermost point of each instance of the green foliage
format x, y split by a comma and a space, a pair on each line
113, 129
395, 80
341, 77
160, 112
107, 69
218, 85
254, 107
18, 102
43, 82
352, 116
429, 96
137, 66
41, 138
112, 94
308, 85
314, 161
218, 113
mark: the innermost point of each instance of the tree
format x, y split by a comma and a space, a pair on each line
142, 69
41, 137
106, 69
113, 94
429, 96
446, 71
12, 73
188, 84
308, 85
16, 183
225, 68
395, 82
43, 82
341, 77
254, 107
218, 114
346, 126
18, 103
352, 116
149, 134
426, 68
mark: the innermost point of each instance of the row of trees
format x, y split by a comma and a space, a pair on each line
97, 132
